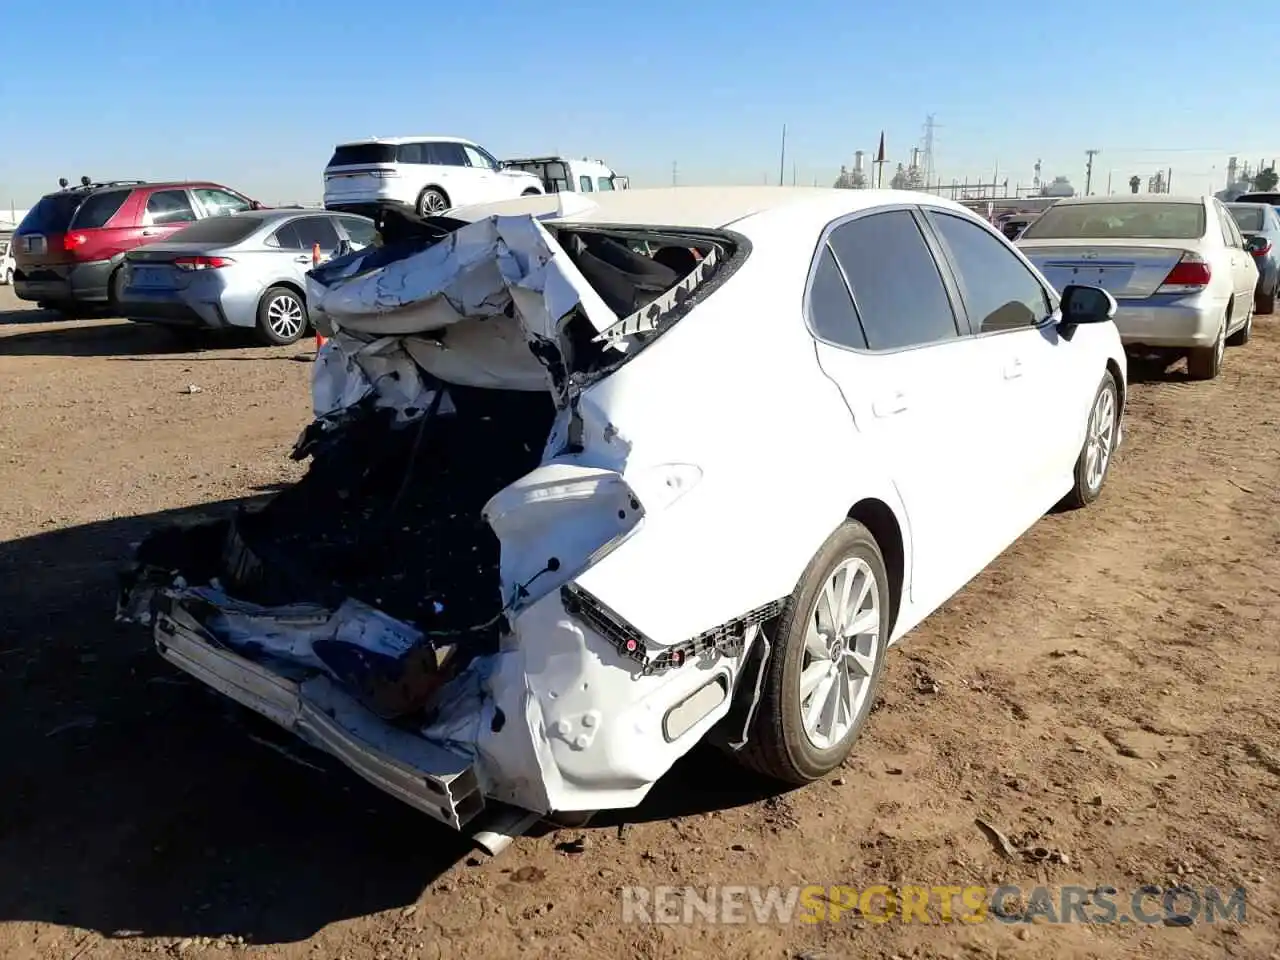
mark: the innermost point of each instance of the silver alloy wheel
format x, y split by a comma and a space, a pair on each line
1220, 347
284, 317
432, 202
841, 645
1102, 429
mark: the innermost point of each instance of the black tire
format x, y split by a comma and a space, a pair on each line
271, 308
1266, 303
1085, 491
1241, 336
114, 290
1205, 363
778, 745
432, 202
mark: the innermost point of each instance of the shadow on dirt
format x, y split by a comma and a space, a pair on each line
136, 800
131, 342
1157, 370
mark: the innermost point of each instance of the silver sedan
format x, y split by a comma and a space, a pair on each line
243, 270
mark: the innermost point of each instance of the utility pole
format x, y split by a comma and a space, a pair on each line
782, 162
930, 125
793, 173
1088, 169
674, 173
1109, 172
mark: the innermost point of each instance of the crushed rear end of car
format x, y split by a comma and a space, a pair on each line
412, 605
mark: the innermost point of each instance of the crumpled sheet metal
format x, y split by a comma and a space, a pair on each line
501, 270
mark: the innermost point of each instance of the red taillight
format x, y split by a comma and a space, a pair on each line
73, 240
1189, 275
202, 263
1262, 251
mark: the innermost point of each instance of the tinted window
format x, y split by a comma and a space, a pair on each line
169, 206
1153, 220
1000, 292
604, 183
584, 184
286, 237
444, 154
1248, 218
411, 153
98, 208
361, 231
1268, 198
478, 158
218, 231
219, 203
313, 230
52, 214
897, 289
355, 154
831, 312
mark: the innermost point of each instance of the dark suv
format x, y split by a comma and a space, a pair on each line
68, 249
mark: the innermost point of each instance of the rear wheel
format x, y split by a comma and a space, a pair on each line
1205, 363
1241, 336
115, 289
432, 202
282, 316
827, 657
1267, 301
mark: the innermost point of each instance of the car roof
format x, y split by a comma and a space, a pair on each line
1134, 198
400, 140
699, 207
127, 185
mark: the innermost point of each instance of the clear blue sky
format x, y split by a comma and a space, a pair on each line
255, 92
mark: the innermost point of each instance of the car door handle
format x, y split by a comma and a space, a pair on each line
150, 233
302, 259
1013, 370
890, 405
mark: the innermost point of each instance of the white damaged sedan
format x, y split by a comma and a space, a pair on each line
593, 478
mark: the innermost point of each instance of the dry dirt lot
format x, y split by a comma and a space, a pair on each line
1107, 690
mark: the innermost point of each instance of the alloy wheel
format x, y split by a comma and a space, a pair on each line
1100, 442
285, 317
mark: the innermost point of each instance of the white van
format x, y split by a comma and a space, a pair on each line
428, 175
562, 175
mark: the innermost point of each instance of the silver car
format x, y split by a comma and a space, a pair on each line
243, 270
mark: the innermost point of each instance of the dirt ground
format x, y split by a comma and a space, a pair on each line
1106, 690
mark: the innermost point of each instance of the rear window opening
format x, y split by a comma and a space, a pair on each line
358, 154
217, 230
98, 208
1122, 221
52, 214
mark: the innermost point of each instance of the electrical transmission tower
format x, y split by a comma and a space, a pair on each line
929, 127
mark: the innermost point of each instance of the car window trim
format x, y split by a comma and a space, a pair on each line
1051, 295
825, 248
948, 283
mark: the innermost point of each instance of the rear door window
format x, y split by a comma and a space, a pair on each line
832, 315
897, 288
444, 154
584, 184
167, 207
998, 289
313, 230
98, 208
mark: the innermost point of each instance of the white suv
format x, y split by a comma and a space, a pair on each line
426, 174
6, 262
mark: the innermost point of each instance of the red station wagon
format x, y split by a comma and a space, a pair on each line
69, 248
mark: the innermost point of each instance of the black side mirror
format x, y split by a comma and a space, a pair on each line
257, 205
1082, 304
1255, 244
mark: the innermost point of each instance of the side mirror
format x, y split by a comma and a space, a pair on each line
1255, 245
1082, 304
257, 205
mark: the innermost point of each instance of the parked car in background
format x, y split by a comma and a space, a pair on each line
561, 174
70, 247
529, 392
1259, 223
1177, 267
245, 270
1272, 199
1013, 226
6, 261
427, 175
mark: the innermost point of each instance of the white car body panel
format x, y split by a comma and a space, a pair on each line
713, 464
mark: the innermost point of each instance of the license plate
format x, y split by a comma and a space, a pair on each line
150, 277
33, 244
